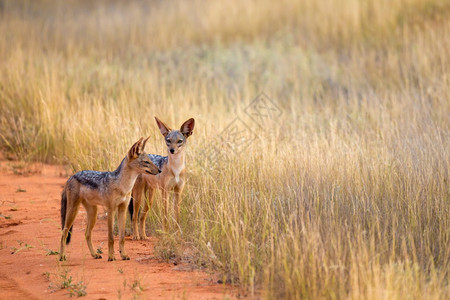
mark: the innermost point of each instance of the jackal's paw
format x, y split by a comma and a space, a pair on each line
96, 256
143, 238
136, 237
111, 258
125, 257
62, 258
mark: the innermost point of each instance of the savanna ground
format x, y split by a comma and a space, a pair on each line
340, 190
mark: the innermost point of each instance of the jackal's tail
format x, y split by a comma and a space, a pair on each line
63, 214
131, 208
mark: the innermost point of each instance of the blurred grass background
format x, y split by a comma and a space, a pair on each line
345, 195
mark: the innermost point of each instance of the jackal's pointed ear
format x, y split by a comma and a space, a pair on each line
163, 127
188, 127
134, 150
143, 144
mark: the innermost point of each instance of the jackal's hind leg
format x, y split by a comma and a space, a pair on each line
145, 208
91, 211
71, 213
121, 219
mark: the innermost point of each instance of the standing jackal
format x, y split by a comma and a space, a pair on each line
171, 177
109, 189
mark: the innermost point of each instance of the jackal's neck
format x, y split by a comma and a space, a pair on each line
125, 176
120, 167
176, 160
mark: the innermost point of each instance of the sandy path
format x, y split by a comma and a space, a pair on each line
29, 225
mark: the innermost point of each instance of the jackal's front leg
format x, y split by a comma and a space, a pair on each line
177, 194
165, 200
111, 213
121, 219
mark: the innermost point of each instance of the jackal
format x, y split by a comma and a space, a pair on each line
109, 189
171, 178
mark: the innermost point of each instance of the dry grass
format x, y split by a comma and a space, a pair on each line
345, 195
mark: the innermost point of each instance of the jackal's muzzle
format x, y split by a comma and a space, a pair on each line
152, 173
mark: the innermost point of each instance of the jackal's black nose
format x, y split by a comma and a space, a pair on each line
172, 150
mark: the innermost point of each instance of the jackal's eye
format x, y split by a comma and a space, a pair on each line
180, 141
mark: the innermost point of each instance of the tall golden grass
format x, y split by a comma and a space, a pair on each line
345, 195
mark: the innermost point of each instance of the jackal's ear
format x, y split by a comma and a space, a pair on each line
143, 145
134, 150
163, 127
188, 127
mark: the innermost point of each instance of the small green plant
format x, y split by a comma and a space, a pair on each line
15, 250
99, 248
66, 279
121, 289
52, 252
6, 217
46, 275
77, 289
136, 285
62, 280
20, 190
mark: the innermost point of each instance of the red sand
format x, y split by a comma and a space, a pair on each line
30, 216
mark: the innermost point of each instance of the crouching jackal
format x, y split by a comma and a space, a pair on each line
109, 189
